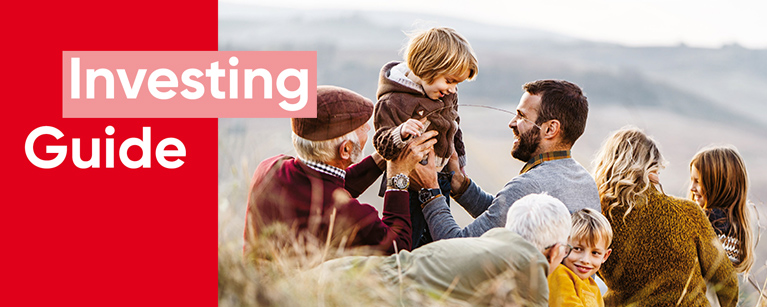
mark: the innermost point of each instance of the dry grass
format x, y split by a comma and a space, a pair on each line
283, 271
758, 294
283, 267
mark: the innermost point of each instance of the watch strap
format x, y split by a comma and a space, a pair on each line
424, 195
423, 204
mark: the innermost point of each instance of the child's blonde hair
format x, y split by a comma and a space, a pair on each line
590, 226
440, 51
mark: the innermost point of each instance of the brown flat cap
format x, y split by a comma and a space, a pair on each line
339, 111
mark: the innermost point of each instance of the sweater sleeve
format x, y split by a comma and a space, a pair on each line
714, 262
390, 112
475, 200
360, 176
395, 225
490, 212
396, 215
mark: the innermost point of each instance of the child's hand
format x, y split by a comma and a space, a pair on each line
411, 127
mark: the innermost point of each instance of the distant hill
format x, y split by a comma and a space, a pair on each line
725, 85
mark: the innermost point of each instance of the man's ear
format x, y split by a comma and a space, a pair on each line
553, 129
555, 252
345, 150
607, 254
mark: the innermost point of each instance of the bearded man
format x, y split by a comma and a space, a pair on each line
551, 116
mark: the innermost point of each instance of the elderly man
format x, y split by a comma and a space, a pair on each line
504, 266
315, 193
551, 116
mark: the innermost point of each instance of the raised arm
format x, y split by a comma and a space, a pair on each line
489, 211
361, 175
443, 226
395, 224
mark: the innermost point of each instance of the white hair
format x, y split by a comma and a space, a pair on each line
327, 150
541, 219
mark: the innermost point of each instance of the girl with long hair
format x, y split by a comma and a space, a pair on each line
719, 184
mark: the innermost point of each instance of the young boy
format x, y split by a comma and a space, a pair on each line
571, 284
420, 94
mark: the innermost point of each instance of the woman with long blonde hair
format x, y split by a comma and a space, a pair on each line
719, 184
664, 248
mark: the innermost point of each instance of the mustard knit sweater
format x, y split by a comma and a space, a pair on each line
665, 250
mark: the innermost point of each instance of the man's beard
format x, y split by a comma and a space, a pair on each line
527, 145
356, 156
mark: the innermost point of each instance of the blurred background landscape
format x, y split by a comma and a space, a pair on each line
685, 97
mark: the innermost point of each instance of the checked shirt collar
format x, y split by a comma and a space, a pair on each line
547, 156
326, 169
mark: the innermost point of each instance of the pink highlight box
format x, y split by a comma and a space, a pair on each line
189, 84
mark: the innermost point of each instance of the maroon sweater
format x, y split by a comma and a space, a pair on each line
286, 190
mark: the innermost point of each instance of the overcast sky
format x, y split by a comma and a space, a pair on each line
698, 23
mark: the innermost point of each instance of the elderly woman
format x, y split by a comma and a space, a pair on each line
664, 248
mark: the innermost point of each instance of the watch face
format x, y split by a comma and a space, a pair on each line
400, 181
423, 195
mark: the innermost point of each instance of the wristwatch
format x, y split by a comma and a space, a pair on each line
399, 181
424, 195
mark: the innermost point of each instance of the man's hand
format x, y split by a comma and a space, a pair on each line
412, 153
459, 176
425, 176
380, 161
